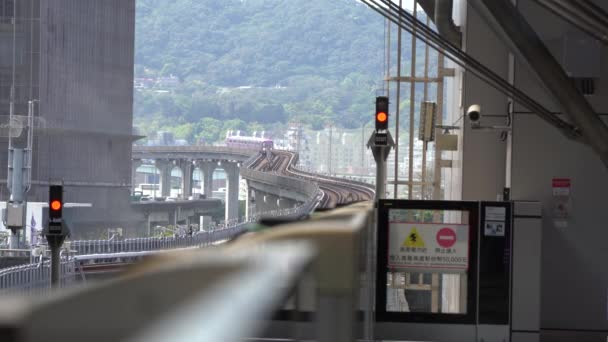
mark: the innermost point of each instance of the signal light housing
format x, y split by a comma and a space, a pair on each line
55, 202
381, 117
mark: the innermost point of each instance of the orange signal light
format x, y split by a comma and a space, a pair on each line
55, 205
381, 117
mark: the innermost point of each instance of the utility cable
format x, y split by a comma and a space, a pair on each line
412, 25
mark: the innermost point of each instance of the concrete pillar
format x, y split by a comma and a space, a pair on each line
187, 171
164, 167
263, 202
149, 223
284, 203
135, 164
207, 168
269, 203
249, 202
232, 191
204, 223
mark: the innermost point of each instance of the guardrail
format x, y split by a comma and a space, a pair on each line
197, 239
343, 276
32, 278
35, 278
189, 298
7, 252
326, 263
195, 149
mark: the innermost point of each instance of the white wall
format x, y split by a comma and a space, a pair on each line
575, 273
483, 153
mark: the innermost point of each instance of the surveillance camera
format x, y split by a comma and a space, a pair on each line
474, 114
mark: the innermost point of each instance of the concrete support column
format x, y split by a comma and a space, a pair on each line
207, 168
270, 203
284, 203
187, 171
249, 202
164, 167
149, 224
204, 223
259, 202
135, 164
232, 191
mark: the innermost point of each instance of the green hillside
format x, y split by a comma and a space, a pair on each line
254, 64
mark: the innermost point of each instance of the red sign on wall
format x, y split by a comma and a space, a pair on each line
561, 186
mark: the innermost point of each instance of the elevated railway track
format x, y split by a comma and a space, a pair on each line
336, 191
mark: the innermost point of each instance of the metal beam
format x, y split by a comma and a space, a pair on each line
504, 18
581, 13
441, 14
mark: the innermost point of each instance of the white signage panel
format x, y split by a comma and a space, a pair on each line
428, 246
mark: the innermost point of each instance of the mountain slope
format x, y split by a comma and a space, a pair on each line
258, 42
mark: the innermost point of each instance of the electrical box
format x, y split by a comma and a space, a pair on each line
15, 215
428, 113
447, 142
581, 55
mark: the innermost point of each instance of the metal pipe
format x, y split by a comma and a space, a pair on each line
516, 32
445, 24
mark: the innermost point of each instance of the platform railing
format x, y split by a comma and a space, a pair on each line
197, 239
343, 276
35, 278
195, 296
230, 293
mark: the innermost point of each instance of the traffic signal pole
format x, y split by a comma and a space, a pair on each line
381, 143
55, 231
55, 243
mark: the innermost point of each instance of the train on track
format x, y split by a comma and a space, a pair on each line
262, 144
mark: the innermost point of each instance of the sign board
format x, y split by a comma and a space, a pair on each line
494, 228
496, 214
562, 205
495, 221
381, 139
428, 246
561, 186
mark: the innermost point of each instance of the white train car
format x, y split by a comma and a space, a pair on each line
262, 144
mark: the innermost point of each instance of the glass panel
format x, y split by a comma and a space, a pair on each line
428, 261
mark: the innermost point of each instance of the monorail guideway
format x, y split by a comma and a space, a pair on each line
457, 271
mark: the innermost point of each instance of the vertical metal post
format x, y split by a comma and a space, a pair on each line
388, 56
438, 152
410, 179
55, 264
330, 147
55, 241
425, 143
397, 109
17, 176
380, 178
380, 153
